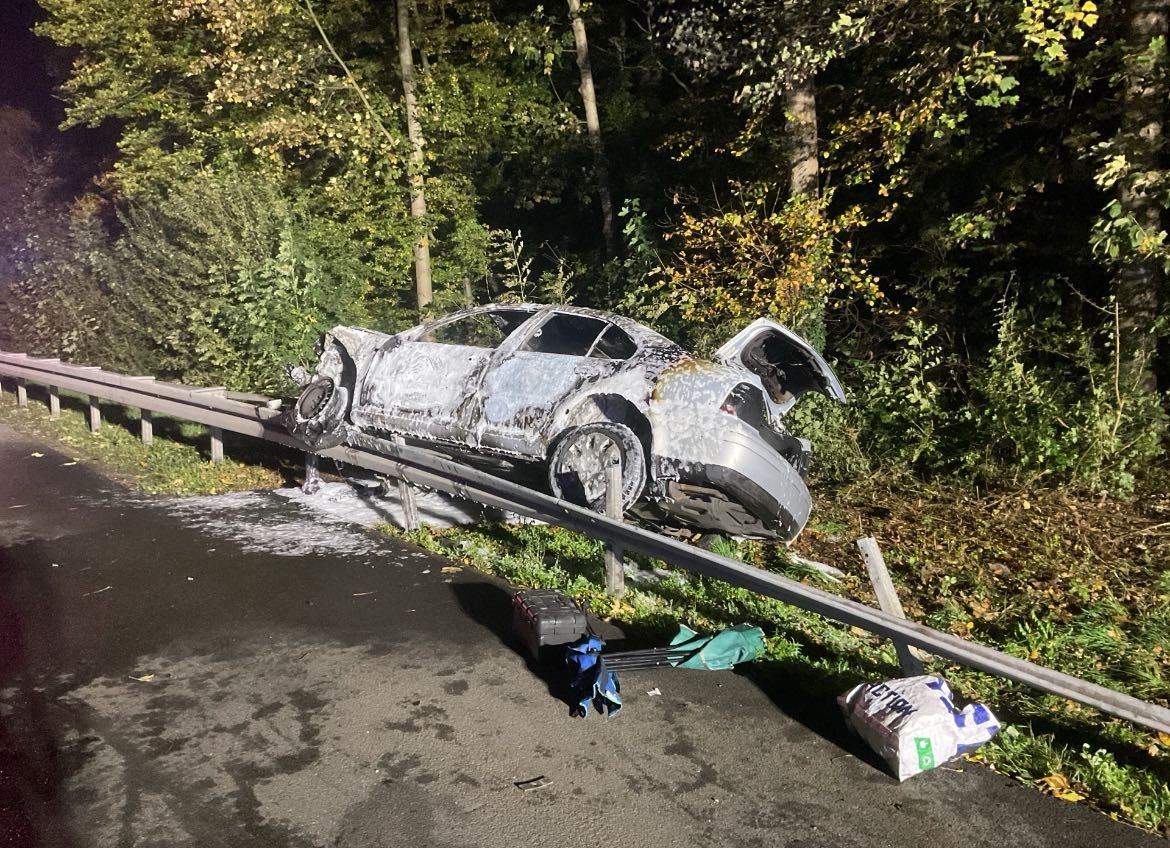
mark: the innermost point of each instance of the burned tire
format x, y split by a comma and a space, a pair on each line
314, 399
318, 417
579, 458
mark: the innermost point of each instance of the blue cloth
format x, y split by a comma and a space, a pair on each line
591, 681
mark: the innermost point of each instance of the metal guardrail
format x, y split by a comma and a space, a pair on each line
430, 470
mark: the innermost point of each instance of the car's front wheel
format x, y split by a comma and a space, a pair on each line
579, 459
318, 418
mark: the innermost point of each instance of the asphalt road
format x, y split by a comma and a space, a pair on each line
236, 671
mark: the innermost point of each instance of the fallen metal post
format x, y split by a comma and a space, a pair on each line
615, 575
887, 595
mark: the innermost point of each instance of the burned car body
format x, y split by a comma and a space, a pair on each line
701, 443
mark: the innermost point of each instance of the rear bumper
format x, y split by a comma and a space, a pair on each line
731, 457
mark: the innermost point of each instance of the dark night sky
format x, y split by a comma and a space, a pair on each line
24, 77
27, 68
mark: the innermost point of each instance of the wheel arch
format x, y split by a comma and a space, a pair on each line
606, 407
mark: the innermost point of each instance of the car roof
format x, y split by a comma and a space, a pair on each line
643, 336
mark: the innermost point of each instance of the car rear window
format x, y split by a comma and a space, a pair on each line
615, 343
570, 335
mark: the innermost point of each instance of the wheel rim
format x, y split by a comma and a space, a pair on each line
314, 398
586, 458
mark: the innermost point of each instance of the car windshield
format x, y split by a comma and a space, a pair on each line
479, 329
569, 335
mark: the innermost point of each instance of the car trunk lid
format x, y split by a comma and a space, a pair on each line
786, 364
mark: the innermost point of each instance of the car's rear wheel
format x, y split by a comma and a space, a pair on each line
579, 459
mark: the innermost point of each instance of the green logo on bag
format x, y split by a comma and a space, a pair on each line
925, 752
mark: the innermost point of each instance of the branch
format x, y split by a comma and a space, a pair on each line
348, 75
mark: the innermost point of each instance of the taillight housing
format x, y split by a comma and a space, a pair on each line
746, 402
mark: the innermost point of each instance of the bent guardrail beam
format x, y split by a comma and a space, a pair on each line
426, 468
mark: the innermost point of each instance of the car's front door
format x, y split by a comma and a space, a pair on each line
521, 390
426, 385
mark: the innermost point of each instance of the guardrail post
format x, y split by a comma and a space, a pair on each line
216, 445
54, 403
146, 432
312, 474
615, 574
21, 393
95, 414
410, 520
908, 658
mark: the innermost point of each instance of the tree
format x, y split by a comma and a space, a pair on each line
1142, 194
593, 126
418, 198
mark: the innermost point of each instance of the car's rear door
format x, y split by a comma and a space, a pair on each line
425, 384
523, 388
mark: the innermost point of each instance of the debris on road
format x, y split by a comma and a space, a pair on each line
546, 618
912, 723
97, 591
725, 649
654, 691
592, 681
534, 783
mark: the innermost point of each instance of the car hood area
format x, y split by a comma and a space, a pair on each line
786, 364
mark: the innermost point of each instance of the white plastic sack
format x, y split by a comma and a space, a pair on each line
913, 724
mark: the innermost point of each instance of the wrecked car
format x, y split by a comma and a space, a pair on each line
566, 390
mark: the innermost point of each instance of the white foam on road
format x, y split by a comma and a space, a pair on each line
260, 522
368, 505
329, 522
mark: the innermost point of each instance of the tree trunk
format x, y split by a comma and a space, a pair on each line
1142, 139
593, 125
418, 197
800, 102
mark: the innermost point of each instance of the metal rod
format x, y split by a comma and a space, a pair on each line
410, 521
216, 434
615, 574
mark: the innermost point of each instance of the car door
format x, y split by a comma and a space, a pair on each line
424, 383
522, 389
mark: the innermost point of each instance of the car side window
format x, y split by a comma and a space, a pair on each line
569, 335
481, 329
614, 343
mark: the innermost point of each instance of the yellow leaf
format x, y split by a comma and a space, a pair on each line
1164, 739
1055, 782
1058, 786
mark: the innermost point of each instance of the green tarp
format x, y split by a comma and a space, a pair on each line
741, 643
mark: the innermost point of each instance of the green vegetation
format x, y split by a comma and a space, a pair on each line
963, 204
177, 461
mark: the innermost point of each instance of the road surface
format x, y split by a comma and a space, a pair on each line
238, 671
